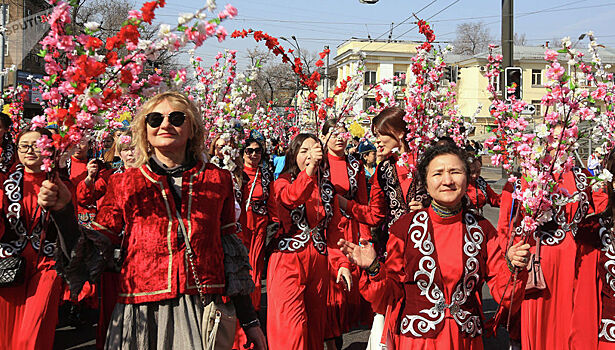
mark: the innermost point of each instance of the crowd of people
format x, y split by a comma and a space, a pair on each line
168, 244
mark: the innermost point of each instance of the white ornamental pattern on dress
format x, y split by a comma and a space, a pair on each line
316, 234
13, 192
552, 238
607, 326
470, 324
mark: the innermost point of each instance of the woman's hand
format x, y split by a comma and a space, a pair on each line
255, 336
362, 254
313, 159
343, 274
519, 254
54, 195
415, 205
92, 168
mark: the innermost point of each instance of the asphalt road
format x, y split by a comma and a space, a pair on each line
68, 337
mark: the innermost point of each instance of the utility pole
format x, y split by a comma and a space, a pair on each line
507, 49
3, 43
507, 38
327, 72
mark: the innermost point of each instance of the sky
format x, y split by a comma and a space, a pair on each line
316, 23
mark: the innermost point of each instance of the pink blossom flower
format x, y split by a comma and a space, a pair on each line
550, 55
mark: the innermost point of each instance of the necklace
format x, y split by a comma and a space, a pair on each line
445, 212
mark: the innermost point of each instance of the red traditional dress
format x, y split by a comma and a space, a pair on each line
29, 311
593, 320
257, 211
297, 275
480, 194
546, 315
344, 310
432, 278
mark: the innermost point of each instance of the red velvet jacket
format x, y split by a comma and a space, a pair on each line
139, 202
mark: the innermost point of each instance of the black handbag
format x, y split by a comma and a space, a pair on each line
12, 271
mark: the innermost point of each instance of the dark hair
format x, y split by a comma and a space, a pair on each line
31, 128
445, 140
328, 125
290, 163
391, 122
251, 140
5, 121
438, 150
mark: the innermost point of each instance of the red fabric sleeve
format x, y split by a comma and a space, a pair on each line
504, 219
586, 300
334, 233
386, 287
293, 194
373, 213
361, 197
493, 197
88, 195
497, 272
272, 206
110, 217
227, 215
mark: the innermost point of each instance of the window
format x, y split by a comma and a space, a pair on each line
367, 102
401, 82
537, 105
536, 77
370, 77
495, 81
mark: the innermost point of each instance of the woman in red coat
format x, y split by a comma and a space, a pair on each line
593, 312
438, 259
171, 202
29, 308
348, 176
257, 211
394, 193
298, 273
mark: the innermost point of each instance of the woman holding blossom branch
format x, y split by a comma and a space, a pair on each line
29, 303
438, 258
177, 217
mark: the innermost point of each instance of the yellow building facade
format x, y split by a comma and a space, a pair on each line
386, 59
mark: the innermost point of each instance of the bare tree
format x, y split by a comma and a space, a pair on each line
472, 38
111, 14
519, 39
276, 82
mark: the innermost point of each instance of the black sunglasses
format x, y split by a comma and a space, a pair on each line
256, 150
155, 119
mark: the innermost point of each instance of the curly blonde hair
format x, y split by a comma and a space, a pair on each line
178, 100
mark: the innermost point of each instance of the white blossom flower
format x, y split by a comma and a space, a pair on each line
92, 26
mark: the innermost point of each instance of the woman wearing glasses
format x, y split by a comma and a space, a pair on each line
29, 302
348, 177
393, 193
257, 211
177, 215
